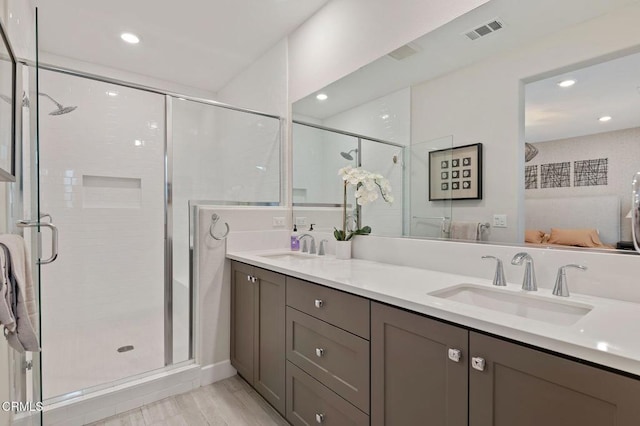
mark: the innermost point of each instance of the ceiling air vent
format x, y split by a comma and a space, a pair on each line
485, 29
405, 51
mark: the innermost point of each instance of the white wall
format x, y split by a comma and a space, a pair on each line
621, 148
387, 118
263, 85
213, 345
347, 34
493, 115
47, 58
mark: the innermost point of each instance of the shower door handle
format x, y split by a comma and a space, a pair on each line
54, 236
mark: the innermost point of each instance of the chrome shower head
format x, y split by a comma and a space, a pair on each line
347, 155
61, 109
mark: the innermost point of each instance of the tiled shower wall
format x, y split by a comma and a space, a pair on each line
102, 180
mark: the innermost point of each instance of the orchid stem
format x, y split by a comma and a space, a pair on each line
344, 213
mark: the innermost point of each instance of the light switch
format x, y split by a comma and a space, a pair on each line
278, 222
499, 220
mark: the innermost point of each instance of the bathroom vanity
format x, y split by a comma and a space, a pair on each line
359, 342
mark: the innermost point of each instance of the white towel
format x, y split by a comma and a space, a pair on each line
464, 230
7, 308
17, 273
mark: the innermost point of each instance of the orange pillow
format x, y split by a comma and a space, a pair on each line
575, 237
533, 236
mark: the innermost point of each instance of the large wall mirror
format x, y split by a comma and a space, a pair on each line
550, 89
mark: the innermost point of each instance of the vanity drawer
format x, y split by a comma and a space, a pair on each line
336, 358
309, 402
341, 309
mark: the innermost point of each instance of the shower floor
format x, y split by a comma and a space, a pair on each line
82, 356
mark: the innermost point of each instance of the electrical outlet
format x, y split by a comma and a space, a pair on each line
499, 220
278, 222
301, 221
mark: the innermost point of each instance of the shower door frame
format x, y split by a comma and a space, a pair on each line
168, 225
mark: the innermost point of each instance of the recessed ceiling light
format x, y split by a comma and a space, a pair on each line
322, 96
130, 38
567, 83
138, 142
605, 118
384, 116
112, 94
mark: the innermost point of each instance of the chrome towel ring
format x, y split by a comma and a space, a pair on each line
214, 220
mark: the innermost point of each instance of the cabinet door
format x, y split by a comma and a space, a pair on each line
242, 319
413, 381
269, 344
525, 387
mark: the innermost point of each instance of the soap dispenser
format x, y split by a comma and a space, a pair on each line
295, 242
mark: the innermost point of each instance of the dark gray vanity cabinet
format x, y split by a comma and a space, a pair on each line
242, 319
413, 380
257, 330
526, 387
327, 356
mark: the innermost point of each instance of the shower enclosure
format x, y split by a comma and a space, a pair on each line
115, 167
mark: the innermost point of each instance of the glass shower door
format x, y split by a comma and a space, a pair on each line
102, 180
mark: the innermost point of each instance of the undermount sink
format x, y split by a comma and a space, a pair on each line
288, 257
519, 304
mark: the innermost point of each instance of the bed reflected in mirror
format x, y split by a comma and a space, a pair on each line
584, 129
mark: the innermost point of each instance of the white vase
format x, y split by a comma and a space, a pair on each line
343, 249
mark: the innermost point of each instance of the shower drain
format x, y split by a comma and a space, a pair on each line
125, 348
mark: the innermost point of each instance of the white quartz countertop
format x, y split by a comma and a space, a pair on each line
608, 335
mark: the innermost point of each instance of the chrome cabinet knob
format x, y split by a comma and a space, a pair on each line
254, 279
249, 278
318, 303
478, 363
455, 355
319, 352
319, 418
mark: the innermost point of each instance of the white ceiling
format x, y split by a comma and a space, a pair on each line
199, 43
608, 89
447, 49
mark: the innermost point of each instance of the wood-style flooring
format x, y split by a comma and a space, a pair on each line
230, 402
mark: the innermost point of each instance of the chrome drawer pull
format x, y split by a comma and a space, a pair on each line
318, 303
454, 355
478, 363
319, 418
319, 352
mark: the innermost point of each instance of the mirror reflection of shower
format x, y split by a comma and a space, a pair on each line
348, 156
61, 109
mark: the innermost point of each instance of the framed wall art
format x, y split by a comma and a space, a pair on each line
456, 173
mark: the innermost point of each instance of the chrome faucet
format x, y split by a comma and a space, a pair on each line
561, 288
312, 246
498, 277
529, 280
321, 250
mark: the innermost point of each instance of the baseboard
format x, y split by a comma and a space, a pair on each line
212, 373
